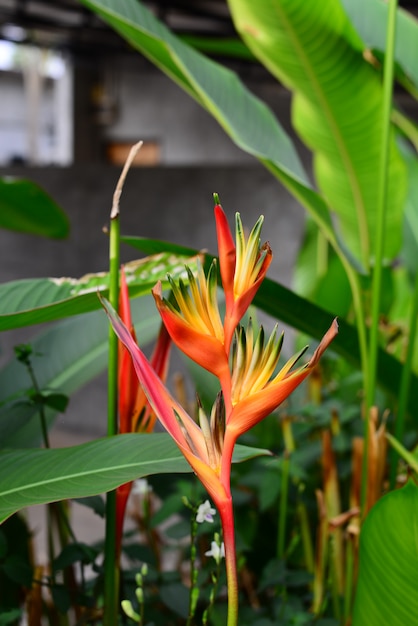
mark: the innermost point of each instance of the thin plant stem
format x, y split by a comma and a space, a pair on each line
388, 73
212, 597
349, 578
194, 589
289, 446
111, 588
23, 354
112, 574
405, 384
306, 537
227, 518
284, 492
411, 131
57, 513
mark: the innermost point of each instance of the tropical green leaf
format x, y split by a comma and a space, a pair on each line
312, 48
27, 208
30, 477
283, 304
65, 357
370, 21
32, 301
245, 118
386, 590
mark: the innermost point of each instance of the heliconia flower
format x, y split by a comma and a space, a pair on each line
243, 267
250, 389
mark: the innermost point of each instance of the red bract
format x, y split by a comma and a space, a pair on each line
135, 413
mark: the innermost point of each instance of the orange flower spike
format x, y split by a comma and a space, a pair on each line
243, 268
254, 393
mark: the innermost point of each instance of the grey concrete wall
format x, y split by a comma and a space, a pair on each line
150, 106
173, 203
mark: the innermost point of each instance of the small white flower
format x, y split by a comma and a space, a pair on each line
141, 487
205, 513
217, 551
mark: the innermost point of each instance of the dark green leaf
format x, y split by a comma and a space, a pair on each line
18, 570
95, 503
74, 553
26, 208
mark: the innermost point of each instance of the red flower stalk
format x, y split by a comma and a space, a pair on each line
135, 413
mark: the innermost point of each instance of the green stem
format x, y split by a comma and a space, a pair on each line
289, 448
349, 578
194, 589
26, 360
226, 513
111, 582
411, 131
112, 572
284, 491
405, 384
388, 73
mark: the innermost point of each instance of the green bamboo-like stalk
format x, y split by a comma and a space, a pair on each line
411, 131
405, 384
112, 574
111, 583
349, 577
284, 486
388, 73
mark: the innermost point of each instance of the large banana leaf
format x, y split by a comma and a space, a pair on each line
369, 19
313, 49
386, 591
247, 120
27, 208
30, 477
65, 357
36, 300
